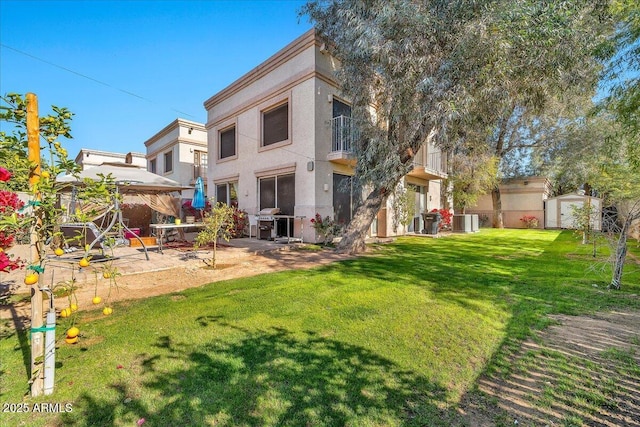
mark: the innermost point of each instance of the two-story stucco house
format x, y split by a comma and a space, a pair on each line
280, 137
88, 158
179, 152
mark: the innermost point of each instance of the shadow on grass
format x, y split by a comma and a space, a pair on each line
277, 377
267, 377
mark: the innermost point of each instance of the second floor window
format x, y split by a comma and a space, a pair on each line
341, 109
228, 143
275, 125
199, 164
153, 166
168, 162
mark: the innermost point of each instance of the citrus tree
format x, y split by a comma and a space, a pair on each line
32, 157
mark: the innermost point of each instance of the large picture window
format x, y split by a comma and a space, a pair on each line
275, 125
278, 192
228, 143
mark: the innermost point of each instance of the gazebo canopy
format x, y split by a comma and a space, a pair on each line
129, 178
135, 184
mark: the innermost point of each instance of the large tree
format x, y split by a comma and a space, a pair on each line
619, 175
396, 61
624, 70
418, 71
535, 66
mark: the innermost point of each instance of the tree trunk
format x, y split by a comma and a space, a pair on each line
353, 239
213, 255
497, 208
620, 254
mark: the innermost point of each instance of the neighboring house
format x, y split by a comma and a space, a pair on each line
179, 152
281, 135
520, 197
87, 158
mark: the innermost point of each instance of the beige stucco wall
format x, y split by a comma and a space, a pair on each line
292, 78
521, 197
302, 75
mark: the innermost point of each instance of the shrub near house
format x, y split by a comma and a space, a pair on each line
445, 219
530, 221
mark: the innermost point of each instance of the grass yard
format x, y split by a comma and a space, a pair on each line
389, 339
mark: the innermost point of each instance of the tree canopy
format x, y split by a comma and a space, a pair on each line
456, 73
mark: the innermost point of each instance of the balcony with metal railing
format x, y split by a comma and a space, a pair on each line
429, 163
343, 136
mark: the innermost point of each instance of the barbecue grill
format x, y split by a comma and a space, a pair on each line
266, 223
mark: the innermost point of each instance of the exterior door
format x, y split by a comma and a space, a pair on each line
566, 213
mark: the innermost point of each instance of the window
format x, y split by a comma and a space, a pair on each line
227, 193
278, 192
153, 166
341, 109
227, 143
199, 164
275, 125
168, 162
345, 198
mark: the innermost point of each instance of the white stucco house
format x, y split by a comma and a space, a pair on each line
280, 137
88, 158
179, 152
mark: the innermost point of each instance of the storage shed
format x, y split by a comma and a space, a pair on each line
559, 211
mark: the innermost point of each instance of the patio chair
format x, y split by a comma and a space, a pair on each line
253, 223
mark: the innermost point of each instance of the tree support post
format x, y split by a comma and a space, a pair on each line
37, 338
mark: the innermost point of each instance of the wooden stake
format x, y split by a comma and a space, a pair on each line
37, 320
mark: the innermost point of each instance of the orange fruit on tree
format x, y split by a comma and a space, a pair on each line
106, 274
59, 252
73, 332
45, 174
65, 312
84, 262
96, 300
31, 279
71, 340
74, 307
107, 311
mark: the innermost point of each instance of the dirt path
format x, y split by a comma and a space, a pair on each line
190, 275
582, 371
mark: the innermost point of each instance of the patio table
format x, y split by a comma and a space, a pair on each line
160, 228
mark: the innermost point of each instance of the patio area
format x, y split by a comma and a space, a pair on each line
131, 260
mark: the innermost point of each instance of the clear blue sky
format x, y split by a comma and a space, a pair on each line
129, 68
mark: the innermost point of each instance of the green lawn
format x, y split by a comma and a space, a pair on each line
394, 338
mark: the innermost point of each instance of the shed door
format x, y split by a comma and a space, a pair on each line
566, 213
